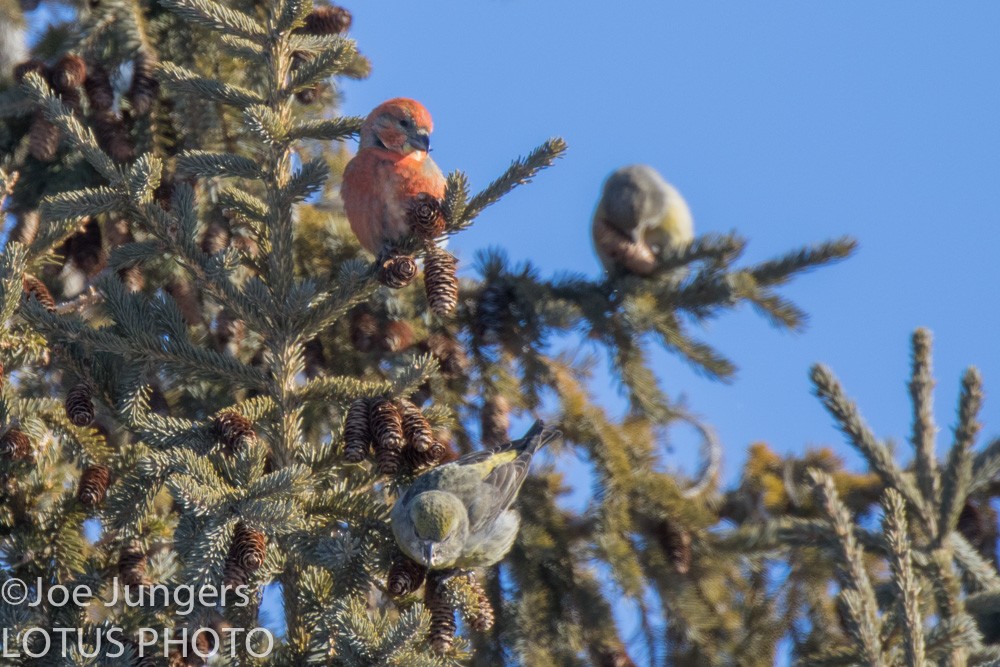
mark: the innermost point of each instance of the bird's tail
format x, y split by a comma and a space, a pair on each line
538, 436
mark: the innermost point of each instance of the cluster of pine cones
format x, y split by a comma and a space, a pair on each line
427, 221
396, 431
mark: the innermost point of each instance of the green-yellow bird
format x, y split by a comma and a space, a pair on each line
639, 220
459, 515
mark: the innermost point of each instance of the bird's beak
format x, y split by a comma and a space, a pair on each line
421, 141
429, 553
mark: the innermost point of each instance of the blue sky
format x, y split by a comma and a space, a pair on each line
789, 122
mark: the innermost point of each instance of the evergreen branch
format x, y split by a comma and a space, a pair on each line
924, 430
307, 181
266, 123
335, 129
13, 262
520, 172
323, 65
203, 164
216, 17
191, 82
897, 537
859, 435
958, 474
985, 467
81, 137
780, 271
858, 596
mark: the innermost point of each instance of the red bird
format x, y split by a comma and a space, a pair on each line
392, 166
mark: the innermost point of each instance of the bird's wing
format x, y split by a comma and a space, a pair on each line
508, 468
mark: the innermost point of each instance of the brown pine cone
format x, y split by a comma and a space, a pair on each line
79, 404
441, 281
94, 484
142, 93
15, 445
425, 216
397, 336
387, 432
416, 428
307, 96
363, 329
357, 431
398, 272
416, 460
405, 576
482, 617
112, 135
314, 358
72, 99
234, 431
132, 565
69, 72
234, 575
248, 548
85, 249
327, 20
43, 138
442, 629
495, 420
34, 287
216, 238
21, 70
188, 300
675, 541
98, 87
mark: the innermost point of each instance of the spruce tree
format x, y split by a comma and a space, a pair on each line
208, 383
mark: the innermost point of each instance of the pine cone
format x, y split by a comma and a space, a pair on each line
357, 431
80, 404
142, 93
675, 541
441, 281
132, 278
234, 431
72, 99
15, 445
442, 630
425, 216
94, 484
387, 432
416, 428
248, 548
36, 288
69, 72
132, 565
85, 250
482, 616
397, 272
234, 575
405, 576
98, 87
449, 353
397, 336
216, 238
112, 135
43, 138
314, 358
21, 70
363, 329
330, 20
495, 420
188, 300
416, 460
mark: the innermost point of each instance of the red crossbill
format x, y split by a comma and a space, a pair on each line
392, 166
640, 219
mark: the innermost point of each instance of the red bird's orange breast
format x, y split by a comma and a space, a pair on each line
377, 188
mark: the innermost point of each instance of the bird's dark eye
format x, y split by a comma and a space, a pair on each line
404, 123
